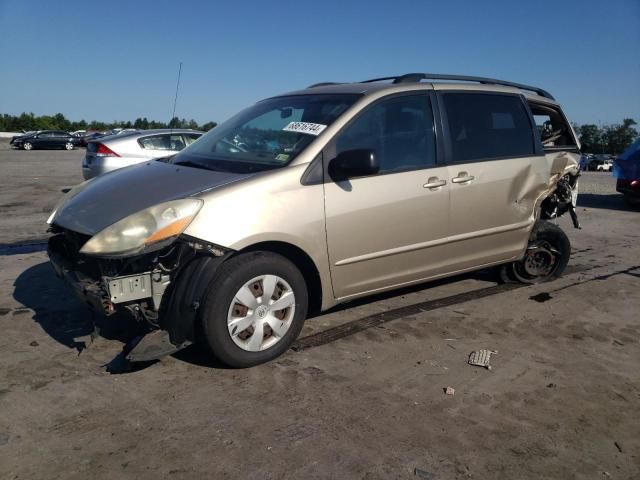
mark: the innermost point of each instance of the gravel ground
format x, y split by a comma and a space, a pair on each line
561, 401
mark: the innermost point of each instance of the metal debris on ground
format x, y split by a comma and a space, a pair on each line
450, 391
422, 474
481, 358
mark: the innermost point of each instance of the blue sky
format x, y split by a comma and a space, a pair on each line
108, 60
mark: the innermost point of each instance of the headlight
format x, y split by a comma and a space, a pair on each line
145, 228
66, 197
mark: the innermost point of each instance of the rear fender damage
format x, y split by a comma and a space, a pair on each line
561, 194
545, 190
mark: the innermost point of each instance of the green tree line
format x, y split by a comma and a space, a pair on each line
29, 121
613, 139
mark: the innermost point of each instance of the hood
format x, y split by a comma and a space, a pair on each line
116, 195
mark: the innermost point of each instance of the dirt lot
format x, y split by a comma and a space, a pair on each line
362, 400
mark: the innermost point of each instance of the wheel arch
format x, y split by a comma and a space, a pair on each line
302, 261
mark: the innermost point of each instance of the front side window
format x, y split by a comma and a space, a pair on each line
486, 126
268, 135
399, 130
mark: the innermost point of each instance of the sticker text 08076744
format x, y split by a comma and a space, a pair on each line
305, 127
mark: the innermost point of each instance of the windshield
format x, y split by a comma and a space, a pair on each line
268, 135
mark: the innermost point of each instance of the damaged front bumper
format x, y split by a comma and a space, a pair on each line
85, 288
106, 293
162, 288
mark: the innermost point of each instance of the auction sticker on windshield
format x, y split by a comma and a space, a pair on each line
305, 127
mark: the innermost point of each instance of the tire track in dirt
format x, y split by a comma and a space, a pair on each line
359, 325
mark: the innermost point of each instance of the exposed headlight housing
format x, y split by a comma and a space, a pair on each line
143, 230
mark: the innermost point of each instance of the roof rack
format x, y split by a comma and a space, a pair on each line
417, 77
324, 84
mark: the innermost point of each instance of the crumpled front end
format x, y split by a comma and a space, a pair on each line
157, 288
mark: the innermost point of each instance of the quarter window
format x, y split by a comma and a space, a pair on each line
486, 126
399, 130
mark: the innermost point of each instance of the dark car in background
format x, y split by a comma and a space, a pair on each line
48, 139
627, 171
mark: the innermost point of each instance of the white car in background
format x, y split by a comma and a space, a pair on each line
604, 166
117, 151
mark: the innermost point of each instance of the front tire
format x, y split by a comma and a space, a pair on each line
27, 145
68, 146
545, 259
255, 309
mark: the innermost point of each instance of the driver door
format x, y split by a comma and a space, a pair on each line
391, 228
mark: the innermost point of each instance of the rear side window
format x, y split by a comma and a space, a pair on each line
190, 137
487, 126
555, 133
399, 130
162, 142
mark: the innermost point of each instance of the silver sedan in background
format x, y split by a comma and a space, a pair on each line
116, 151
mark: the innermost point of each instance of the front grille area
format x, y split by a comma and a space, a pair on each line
70, 242
66, 245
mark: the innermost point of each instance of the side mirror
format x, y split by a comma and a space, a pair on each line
354, 163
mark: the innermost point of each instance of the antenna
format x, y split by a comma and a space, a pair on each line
175, 99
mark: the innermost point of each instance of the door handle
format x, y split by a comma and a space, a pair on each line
463, 177
434, 182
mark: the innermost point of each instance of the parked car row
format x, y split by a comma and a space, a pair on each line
599, 163
110, 151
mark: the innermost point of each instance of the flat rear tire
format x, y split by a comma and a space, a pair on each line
545, 259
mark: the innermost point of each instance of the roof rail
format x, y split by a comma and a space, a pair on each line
417, 77
323, 84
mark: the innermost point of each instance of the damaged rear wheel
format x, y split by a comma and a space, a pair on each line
545, 259
255, 308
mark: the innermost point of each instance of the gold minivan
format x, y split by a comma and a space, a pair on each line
320, 196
